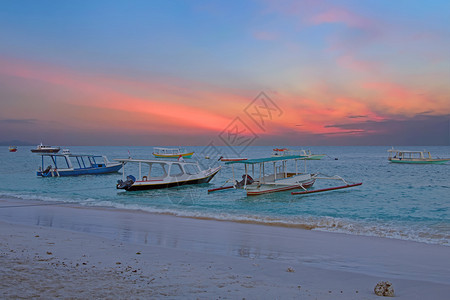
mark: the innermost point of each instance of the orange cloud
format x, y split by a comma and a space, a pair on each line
314, 115
177, 105
393, 98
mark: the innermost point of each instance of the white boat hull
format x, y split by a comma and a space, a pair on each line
169, 181
302, 181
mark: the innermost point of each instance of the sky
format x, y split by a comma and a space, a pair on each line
306, 72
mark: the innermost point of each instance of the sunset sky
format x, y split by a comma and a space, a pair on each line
181, 72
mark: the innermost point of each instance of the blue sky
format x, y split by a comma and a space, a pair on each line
322, 62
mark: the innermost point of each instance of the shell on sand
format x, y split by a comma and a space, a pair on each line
384, 288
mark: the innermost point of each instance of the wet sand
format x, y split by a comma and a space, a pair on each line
67, 251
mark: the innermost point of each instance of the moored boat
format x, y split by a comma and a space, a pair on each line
157, 174
45, 149
75, 164
171, 152
273, 176
305, 154
12, 148
232, 159
414, 157
277, 180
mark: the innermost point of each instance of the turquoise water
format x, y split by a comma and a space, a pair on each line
408, 202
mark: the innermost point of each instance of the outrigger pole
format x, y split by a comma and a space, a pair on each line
326, 189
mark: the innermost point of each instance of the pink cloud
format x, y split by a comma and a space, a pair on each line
351, 63
340, 15
265, 35
392, 98
175, 106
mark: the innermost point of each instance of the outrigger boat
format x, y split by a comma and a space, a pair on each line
171, 152
414, 157
157, 174
75, 164
45, 149
279, 179
306, 154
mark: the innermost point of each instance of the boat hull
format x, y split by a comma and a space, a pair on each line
185, 155
151, 185
268, 188
77, 172
315, 156
419, 161
233, 159
45, 151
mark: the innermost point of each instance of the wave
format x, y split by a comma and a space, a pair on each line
425, 233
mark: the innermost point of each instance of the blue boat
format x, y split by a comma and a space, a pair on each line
75, 164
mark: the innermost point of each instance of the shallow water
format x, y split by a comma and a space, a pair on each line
408, 202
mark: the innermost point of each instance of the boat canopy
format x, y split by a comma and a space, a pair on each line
410, 154
153, 161
168, 150
265, 159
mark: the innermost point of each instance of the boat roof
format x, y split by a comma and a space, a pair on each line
265, 159
69, 154
162, 148
154, 161
407, 151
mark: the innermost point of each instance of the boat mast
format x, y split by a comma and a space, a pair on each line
245, 180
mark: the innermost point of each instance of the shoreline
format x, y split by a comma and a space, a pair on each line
320, 260
337, 226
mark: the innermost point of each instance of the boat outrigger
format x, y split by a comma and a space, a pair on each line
279, 179
171, 152
414, 157
75, 164
157, 174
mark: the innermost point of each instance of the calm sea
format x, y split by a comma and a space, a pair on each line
409, 202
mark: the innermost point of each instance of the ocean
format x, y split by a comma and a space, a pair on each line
399, 201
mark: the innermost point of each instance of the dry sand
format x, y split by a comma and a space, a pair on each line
85, 253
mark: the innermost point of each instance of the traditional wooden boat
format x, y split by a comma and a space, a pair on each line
157, 174
12, 148
45, 149
414, 157
75, 164
305, 154
171, 152
273, 176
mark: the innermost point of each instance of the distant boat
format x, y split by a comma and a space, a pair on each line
171, 152
232, 159
75, 164
414, 157
305, 154
158, 174
12, 148
45, 149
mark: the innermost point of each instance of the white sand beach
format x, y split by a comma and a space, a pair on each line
67, 251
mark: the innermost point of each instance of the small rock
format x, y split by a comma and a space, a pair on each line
384, 288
